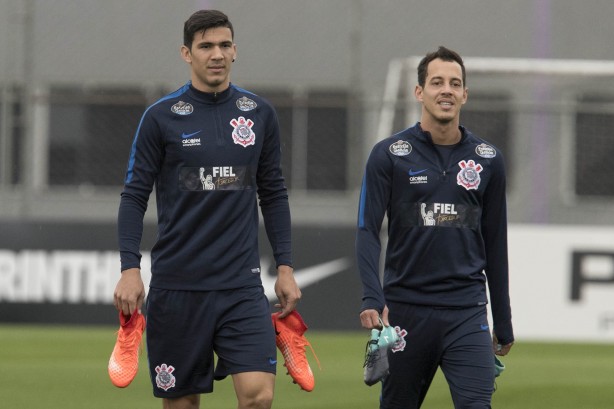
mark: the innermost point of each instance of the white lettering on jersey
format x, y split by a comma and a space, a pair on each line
223, 171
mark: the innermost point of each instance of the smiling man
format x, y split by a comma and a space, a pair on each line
212, 152
443, 191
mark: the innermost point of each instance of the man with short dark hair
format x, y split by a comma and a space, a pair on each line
443, 191
212, 150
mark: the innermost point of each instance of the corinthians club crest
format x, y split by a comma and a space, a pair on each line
469, 175
165, 378
242, 133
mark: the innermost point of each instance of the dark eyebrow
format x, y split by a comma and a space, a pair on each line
441, 78
210, 43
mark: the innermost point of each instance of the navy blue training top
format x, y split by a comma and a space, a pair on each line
447, 225
211, 157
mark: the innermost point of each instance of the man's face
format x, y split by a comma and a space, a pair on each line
211, 58
443, 93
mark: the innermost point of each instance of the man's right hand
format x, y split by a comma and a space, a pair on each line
130, 292
370, 318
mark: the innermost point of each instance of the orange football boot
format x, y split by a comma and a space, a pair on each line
291, 342
124, 361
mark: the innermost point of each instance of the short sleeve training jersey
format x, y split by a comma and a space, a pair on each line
446, 225
210, 156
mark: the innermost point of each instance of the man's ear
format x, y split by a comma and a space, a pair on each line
186, 55
418, 93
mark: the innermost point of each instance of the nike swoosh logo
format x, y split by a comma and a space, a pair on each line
416, 172
272, 361
484, 327
304, 277
184, 135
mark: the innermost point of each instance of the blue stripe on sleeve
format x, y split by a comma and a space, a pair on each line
361, 204
136, 135
133, 151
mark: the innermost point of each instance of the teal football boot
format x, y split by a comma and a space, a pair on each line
376, 353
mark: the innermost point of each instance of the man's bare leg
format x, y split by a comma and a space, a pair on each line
184, 402
254, 389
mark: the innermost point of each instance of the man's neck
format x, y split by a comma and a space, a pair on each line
443, 134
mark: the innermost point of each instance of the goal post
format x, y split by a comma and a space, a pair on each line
402, 77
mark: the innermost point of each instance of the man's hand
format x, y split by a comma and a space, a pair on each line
370, 318
287, 290
499, 349
130, 292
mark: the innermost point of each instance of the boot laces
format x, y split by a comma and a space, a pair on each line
300, 343
129, 341
371, 356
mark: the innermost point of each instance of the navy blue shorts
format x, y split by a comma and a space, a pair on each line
457, 340
186, 328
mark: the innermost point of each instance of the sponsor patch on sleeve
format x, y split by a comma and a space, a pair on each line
485, 151
400, 148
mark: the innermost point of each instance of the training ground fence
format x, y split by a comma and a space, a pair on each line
64, 148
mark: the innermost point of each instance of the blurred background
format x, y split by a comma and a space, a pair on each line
76, 75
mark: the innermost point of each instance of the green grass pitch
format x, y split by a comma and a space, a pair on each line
65, 367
